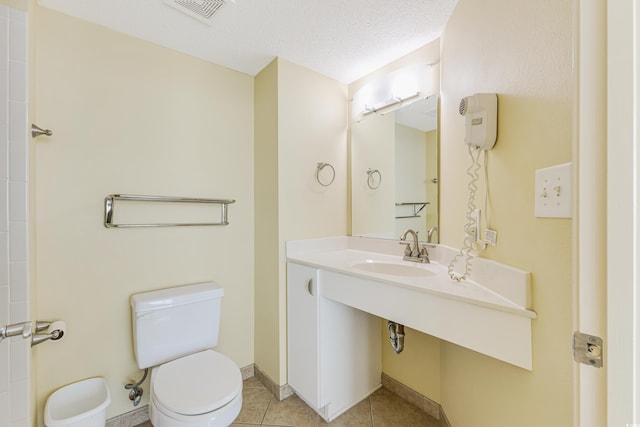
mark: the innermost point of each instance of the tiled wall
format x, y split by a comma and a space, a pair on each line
14, 352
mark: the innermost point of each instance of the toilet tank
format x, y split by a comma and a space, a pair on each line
174, 322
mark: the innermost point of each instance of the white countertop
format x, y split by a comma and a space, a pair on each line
509, 292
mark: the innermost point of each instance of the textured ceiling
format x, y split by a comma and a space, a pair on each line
344, 39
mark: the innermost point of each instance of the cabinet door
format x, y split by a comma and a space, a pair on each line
302, 322
350, 356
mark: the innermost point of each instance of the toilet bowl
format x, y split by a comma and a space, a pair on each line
174, 331
199, 390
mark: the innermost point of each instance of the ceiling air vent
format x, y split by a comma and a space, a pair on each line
202, 10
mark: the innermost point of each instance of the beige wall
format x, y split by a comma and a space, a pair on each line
369, 210
372, 147
410, 179
132, 117
267, 283
418, 366
432, 162
521, 50
116, 131
311, 127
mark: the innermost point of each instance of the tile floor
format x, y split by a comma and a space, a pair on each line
381, 409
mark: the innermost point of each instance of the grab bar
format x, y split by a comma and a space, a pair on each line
17, 329
109, 206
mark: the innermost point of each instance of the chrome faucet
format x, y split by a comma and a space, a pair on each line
430, 233
415, 253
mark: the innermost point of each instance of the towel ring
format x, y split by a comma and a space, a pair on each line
371, 180
322, 165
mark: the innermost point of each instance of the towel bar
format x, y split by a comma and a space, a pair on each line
109, 205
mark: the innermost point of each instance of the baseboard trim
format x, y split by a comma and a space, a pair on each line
281, 392
443, 419
247, 372
418, 400
130, 419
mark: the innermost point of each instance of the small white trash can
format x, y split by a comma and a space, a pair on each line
81, 404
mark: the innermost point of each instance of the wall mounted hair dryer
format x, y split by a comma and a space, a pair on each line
481, 119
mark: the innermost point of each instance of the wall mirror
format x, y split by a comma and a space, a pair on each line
394, 172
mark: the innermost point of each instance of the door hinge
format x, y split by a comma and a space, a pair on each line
588, 349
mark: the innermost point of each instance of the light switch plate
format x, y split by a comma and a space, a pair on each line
554, 192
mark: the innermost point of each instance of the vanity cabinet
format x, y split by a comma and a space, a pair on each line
334, 351
302, 333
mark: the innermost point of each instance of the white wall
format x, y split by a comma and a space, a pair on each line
14, 296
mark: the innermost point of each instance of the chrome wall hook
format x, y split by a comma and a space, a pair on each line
36, 131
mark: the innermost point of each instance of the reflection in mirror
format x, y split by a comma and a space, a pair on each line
402, 146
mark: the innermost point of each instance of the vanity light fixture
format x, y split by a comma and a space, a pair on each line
391, 105
394, 90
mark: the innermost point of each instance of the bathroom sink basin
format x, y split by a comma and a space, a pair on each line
391, 268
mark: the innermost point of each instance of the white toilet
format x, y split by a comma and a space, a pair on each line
173, 331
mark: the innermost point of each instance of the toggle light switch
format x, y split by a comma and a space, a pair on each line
554, 192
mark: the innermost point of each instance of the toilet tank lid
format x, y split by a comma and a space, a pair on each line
175, 296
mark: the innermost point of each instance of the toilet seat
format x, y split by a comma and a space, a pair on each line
196, 384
